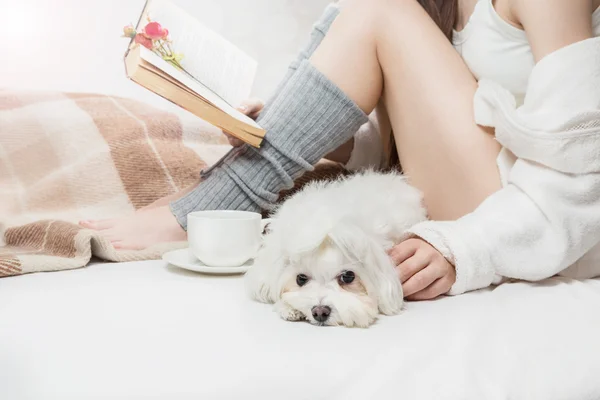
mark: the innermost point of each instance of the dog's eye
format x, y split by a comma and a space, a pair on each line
346, 278
301, 279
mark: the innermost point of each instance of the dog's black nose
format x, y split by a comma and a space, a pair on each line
321, 313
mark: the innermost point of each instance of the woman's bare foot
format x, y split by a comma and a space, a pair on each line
145, 228
154, 223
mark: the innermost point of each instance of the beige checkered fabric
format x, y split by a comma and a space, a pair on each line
65, 157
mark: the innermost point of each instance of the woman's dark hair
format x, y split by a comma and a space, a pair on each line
444, 13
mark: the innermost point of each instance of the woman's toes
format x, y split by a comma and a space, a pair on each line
119, 245
124, 245
86, 224
98, 225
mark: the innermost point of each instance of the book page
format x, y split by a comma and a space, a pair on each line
194, 86
208, 57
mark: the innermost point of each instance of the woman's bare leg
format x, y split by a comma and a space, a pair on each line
442, 150
428, 91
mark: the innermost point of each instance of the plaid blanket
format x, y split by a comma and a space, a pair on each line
71, 156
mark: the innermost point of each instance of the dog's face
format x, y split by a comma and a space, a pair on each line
329, 288
343, 278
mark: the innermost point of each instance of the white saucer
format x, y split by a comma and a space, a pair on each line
183, 258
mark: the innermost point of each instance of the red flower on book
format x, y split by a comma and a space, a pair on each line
156, 38
144, 41
155, 31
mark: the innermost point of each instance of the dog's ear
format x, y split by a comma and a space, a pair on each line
263, 280
384, 282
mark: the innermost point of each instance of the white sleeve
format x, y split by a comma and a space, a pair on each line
548, 214
539, 224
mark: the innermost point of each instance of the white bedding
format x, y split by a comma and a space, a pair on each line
146, 330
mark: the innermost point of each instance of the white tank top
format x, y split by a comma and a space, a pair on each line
496, 50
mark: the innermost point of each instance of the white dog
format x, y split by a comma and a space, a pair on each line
325, 258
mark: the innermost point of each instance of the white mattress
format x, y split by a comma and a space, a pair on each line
145, 330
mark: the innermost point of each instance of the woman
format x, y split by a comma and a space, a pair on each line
392, 50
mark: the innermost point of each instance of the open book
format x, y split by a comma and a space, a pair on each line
209, 77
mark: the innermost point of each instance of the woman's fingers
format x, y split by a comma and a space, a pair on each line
251, 108
413, 265
436, 289
235, 142
423, 271
421, 280
402, 251
410, 257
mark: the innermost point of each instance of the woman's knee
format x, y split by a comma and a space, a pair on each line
374, 15
370, 11
373, 5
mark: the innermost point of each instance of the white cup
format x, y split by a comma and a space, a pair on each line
225, 238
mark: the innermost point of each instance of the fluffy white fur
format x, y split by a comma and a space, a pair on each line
332, 227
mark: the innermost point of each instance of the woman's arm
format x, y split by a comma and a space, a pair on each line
553, 24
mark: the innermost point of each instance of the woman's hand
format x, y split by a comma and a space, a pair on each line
252, 108
424, 272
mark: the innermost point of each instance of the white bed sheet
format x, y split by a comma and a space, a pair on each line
146, 330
